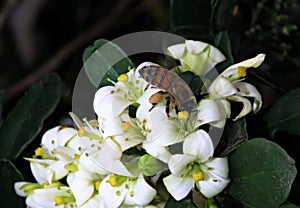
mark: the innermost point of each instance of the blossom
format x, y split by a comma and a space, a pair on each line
196, 166
229, 86
116, 190
196, 56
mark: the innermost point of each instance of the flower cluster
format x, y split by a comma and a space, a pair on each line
118, 159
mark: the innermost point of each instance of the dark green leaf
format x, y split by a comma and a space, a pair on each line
105, 60
9, 175
222, 14
289, 205
190, 19
284, 115
261, 173
222, 42
172, 203
236, 133
25, 120
1, 103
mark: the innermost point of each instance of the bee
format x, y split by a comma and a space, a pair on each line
180, 93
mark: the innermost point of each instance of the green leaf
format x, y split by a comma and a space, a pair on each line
172, 203
236, 134
190, 18
9, 175
1, 103
222, 42
105, 60
262, 173
284, 115
222, 14
25, 120
289, 205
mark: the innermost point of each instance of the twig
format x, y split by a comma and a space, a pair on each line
56, 60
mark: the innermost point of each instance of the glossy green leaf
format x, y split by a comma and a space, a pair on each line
235, 134
190, 19
284, 115
25, 120
222, 14
1, 103
262, 174
222, 42
105, 60
289, 205
172, 203
9, 175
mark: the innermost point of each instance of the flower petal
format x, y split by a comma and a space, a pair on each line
143, 193
199, 144
212, 186
156, 151
253, 62
246, 105
178, 164
248, 90
195, 47
177, 51
178, 187
221, 88
218, 167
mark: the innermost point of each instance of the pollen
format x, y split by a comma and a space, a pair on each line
123, 78
125, 126
242, 71
59, 200
131, 193
113, 181
76, 157
38, 151
81, 132
156, 98
97, 184
118, 193
183, 115
199, 176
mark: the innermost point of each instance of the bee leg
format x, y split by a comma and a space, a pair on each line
168, 102
153, 105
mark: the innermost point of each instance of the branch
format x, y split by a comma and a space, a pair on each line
62, 54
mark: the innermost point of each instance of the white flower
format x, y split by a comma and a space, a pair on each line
196, 56
197, 167
229, 86
83, 185
117, 190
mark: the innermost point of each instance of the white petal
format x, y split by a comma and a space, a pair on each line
156, 151
144, 64
49, 139
221, 88
246, 105
164, 131
95, 202
58, 169
199, 144
143, 193
81, 185
178, 187
218, 167
65, 134
253, 62
39, 172
248, 90
177, 51
216, 55
87, 163
18, 188
209, 111
109, 194
178, 164
195, 47
103, 95
212, 186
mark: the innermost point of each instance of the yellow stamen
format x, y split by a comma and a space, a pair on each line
97, 184
45, 185
59, 200
183, 115
76, 157
125, 126
113, 181
81, 132
123, 78
38, 151
198, 176
242, 71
